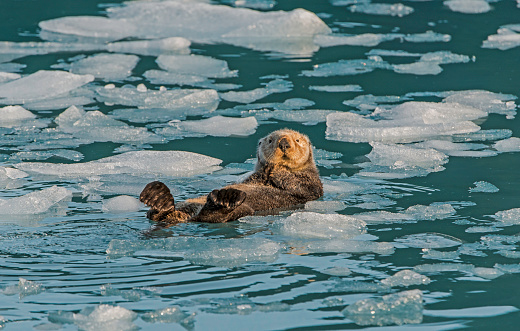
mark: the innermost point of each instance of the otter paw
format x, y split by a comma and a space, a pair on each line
158, 196
228, 198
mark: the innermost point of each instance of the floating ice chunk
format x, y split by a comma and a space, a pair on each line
8, 76
468, 6
44, 155
487, 273
396, 9
432, 212
305, 116
102, 28
11, 116
323, 226
103, 318
325, 206
365, 39
172, 99
508, 217
345, 246
482, 186
149, 115
428, 36
172, 78
243, 306
484, 135
474, 312
35, 202
486, 101
12, 173
382, 216
23, 288
406, 278
429, 240
108, 67
217, 126
429, 63
438, 255
41, 85
121, 204
443, 267
337, 271
172, 45
198, 65
169, 163
336, 88
275, 86
456, 149
508, 145
399, 308
508, 268
172, 314
506, 38
347, 67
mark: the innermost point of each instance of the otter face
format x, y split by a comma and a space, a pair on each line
286, 148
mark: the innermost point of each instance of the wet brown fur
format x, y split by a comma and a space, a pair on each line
285, 176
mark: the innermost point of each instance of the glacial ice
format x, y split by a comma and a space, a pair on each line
187, 99
155, 47
24, 288
7, 76
396, 9
508, 217
108, 67
429, 63
365, 39
406, 278
486, 101
393, 309
121, 204
343, 246
168, 163
217, 126
12, 116
468, 6
482, 186
508, 145
304, 225
347, 67
44, 155
100, 318
506, 38
428, 36
158, 77
172, 314
411, 214
428, 240
275, 86
336, 88
36, 202
42, 85
197, 65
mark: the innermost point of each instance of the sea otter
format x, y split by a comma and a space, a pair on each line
285, 175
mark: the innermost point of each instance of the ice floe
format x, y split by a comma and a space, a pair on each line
121, 204
36, 202
172, 314
508, 217
508, 145
396, 9
102, 317
168, 163
217, 126
468, 6
506, 38
336, 88
429, 240
275, 86
197, 65
406, 278
392, 309
42, 85
482, 186
108, 67
172, 45
365, 39
411, 214
24, 288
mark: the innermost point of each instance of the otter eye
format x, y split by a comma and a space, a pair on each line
270, 140
259, 143
297, 140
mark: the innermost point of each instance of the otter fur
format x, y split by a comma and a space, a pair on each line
285, 175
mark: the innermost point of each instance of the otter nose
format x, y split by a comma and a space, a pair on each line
283, 144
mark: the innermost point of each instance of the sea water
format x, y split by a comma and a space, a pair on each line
412, 110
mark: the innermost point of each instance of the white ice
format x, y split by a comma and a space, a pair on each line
428, 240
172, 314
457, 149
121, 204
275, 86
14, 116
158, 77
482, 186
36, 202
24, 288
168, 163
305, 116
336, 88
365, 39
187, 99
100, 318
486, 101
508, 145
154, 47
217, 126
406, 278
506, 38
396, 9
44, 155
198, 65
392, 309
428, 36
411, 214
11, 173
108, 67
8, 76
303, 225
41, 85
468, 6
508, 217
347, 67
429, 63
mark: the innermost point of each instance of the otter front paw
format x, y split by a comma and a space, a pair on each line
158, 196
228, 198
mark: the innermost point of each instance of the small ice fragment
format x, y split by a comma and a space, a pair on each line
172, 45
444, 267
506, 38
508, 217
11, 116
429, 240
35, 202
141, 88
508, 145
217, 126
337, 271
486, 101
418, 68
172, 314
275, 86
406, 278
27, 287
347, 67
468, 6
90, 26
315, 225
432, 212
336, 88
508, 268
393, 309
325, 206
121, 204
482, 186
108, 67
347, 246
428, 36
439, 255
396, 9
199, 65
487, 273
365, 39
104, 317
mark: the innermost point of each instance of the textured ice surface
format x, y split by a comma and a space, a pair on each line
121, 204
486, 101
396, 9
506, 38
169, 163
411, 214
172, 45
286, 32
444, 267
325, 206
336, 88
11, 173
365, 39
347, 67
457, 149
406, 278
172, 314
23, 288
11, 116
275, 86
41, 85
108, 67
187, 99
103, 318
392, 309
482, 186
197, 65
217, 126
429, 240
408, 122
243, 306
323, 226
44, 155
305, 116
468, 6
429, 63
428, 36
344, 246
508, 145
35, 202
508, 217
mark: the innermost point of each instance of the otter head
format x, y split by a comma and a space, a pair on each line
286, 148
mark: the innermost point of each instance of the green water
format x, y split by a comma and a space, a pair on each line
66, 251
